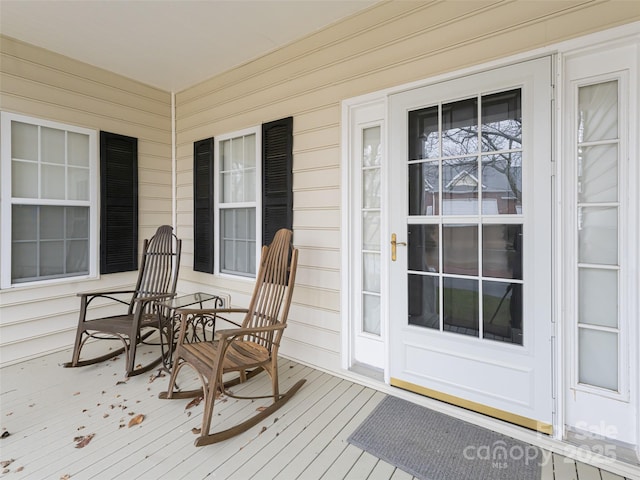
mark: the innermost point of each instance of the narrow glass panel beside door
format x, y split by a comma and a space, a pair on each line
370, 230
598, 233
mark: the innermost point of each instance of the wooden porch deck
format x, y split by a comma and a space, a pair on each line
44, 407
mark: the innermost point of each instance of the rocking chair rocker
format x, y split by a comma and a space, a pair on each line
156, 282
246, 350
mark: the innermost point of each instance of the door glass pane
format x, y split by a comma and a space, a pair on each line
460, 249
502, 311
371, 146
371, 314
423, 189
598, 358
502, 121
598, 112
502, 251
598, 173
424, 135
598, 297
460, 186
502, 183
424, 301
460, 128
371, 188
371, 272
371, 230
423, 248
598, 235
460, 306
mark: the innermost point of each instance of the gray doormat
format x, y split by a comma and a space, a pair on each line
433, 446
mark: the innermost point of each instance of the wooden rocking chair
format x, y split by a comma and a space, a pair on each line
247, 350
156, 282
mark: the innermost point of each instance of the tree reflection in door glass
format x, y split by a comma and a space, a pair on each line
461, 185
502, 184
502, 121
460, 306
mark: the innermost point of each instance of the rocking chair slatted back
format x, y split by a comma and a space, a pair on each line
158, 266
274, 286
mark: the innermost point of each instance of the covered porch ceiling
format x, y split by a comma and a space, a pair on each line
169, 44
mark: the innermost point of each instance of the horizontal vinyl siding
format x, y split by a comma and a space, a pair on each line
390, 44
42, 84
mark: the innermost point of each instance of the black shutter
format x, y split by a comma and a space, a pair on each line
203, 226
277, 177
118, 203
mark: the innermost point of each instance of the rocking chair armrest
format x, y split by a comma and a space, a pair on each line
103, 293
87, 297
231, 333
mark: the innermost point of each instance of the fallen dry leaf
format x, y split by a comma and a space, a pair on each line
193, 403
261, 409
264, 429
5, 434
84, 440
6, 463
19, 469
77, 393
195, 430
65, 477
137, 420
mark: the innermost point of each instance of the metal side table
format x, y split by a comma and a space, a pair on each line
200, 326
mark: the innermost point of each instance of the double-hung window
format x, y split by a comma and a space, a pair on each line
238, 191
243, 193
48, 189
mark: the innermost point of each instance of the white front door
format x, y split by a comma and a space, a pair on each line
470, 182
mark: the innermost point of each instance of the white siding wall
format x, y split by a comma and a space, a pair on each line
388, 45
41, 84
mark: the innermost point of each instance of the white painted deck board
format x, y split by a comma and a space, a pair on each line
44, 406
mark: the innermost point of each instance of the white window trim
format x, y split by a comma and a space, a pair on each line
6, 201
217, 190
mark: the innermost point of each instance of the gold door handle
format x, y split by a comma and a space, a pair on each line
394, 244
